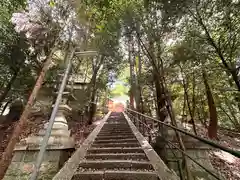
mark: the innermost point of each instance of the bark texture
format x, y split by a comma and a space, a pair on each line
213, 123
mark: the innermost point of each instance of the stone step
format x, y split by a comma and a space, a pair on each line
111, 156
114, 137
116, 150
116, 121
115, 175
114, 164
126, 144
120, 129
116, 128
116, 124
114, 134
114, 140
115, 131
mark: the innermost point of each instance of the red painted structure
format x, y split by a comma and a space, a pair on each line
110, 105
115, 106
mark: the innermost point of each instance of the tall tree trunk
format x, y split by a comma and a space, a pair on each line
137, 89
202, 120
160, 98
92, 103
183, 109
93, 89
191, 110
131, 68
157, 81
137, 93
139, 73
174, 122
7, 155
193, 98
213, 123
131, 97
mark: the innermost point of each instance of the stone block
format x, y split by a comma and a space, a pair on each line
18, 156
14, 169
23, 164
26, 168
173, 154
202, 154
173, 165
52, 156
48, 170
30, 156
23, 171
10, 178
201, 174
55, 132
65, 155
64, 107
35, 141
22, 177
194, 153
49, 167
57, 125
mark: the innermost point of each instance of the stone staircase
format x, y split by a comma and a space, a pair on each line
116, 151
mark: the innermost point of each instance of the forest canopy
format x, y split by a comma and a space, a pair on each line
185, 53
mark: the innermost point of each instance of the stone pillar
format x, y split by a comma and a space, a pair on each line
197, 150
59, 149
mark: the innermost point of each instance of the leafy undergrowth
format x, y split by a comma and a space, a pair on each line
34, 124
226, 163
80, 132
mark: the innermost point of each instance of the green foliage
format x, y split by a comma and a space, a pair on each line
13, 53
119, 89
204, 35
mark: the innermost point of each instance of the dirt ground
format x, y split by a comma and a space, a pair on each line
223, 162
